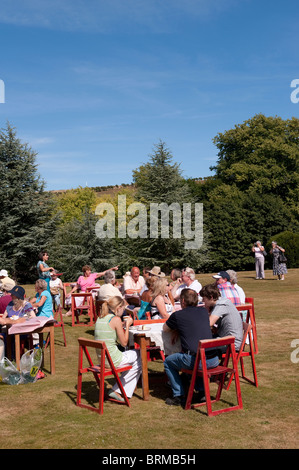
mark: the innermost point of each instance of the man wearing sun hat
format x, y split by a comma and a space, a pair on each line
156, 271
225, 287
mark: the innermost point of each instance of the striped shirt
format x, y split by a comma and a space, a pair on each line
228, 291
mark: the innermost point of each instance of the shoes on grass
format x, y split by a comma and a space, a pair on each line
115, 396
67, 314
175, 401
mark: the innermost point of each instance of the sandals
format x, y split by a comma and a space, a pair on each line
115, 396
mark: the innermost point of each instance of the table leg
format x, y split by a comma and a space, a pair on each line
17, 351
52, 351
143, 354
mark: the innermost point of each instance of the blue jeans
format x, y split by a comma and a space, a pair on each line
174, 363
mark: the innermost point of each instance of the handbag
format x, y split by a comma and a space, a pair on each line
282, 258
264, 252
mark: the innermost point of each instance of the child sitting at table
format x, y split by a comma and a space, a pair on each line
109, 328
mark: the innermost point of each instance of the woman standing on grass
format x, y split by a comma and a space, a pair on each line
279, 265
259, 255
109, 328
43, 270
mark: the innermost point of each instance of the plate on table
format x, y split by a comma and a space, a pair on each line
143, 328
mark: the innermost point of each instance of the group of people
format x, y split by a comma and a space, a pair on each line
203, 312
189, 309
15, 308
279, 260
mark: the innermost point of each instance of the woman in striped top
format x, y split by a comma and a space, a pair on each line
109, 328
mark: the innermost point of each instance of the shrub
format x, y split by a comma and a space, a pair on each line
290, 242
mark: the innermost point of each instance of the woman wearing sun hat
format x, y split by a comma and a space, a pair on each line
18, 309
16, 312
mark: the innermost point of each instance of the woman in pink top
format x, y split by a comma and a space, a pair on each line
85, 281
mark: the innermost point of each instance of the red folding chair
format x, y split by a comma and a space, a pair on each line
219, 371
250, 318
58, 324
64, 292
99, 372
87, 307
241, 354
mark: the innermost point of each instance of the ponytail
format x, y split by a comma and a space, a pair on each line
111, 305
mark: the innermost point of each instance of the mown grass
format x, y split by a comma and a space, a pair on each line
44, 415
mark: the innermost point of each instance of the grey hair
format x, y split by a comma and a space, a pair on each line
190, 273
109, 276
233, 276
41, 284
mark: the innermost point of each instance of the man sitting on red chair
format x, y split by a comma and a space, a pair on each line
224, 316
192, 324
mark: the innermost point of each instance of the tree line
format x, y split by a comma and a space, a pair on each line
253, 195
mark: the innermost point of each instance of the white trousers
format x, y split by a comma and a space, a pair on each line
130, 377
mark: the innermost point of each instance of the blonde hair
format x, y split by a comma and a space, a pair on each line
112, 305
159, 287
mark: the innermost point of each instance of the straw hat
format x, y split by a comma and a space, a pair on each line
156, 271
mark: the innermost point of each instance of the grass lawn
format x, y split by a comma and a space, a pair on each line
43, 415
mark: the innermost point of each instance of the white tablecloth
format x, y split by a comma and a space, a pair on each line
163, 339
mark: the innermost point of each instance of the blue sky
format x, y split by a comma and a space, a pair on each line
93, 85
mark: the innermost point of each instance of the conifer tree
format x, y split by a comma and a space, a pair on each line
159, 181
25, 214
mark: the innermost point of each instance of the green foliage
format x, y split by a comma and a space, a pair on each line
25, 222
74, 202
229, 237
160, 181
290, 242
254, 191
76, 244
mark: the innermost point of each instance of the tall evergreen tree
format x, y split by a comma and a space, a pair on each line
25, 214
160, 181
